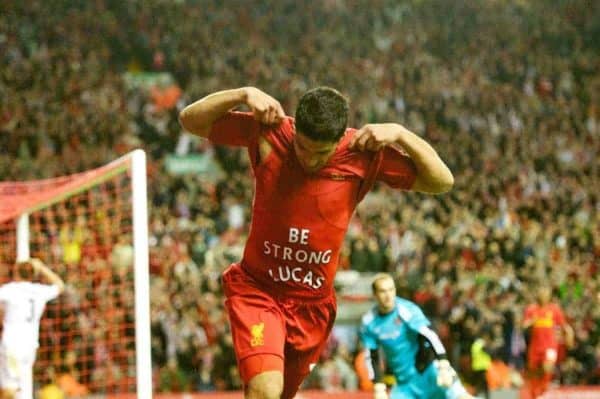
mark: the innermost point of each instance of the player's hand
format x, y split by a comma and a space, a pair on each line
445, 373
373, 137
569, 338
569, 342
380, 391
265, 108
36, 263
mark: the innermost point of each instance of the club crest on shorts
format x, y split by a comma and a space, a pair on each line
257, 332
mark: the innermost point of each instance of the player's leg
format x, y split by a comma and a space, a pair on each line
298, 364
258, 346
308, 325
26, 386
262, 384
550, 358
293, 377
26, 376
548, 367
535, 360
258, 333
9, 373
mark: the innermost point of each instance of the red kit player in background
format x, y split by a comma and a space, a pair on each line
310, 172
543, 318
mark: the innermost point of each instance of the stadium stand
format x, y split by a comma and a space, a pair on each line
509, 93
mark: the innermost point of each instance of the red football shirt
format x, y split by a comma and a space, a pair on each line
298, 219
545, 320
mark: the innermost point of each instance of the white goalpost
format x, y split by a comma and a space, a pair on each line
92, 229
142, 279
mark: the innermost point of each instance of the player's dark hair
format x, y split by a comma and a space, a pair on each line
322, 114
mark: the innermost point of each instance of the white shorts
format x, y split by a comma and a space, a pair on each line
551, 355
15, 365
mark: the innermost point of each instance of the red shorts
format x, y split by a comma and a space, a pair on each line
266, 327
537, 355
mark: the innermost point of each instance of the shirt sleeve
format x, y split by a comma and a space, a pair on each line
413, 316
397, 169
237, 129
46, 292
4, 293
367, 338
528, 315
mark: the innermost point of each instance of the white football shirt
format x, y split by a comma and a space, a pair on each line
24, 304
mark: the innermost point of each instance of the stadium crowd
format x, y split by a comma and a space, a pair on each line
508, 92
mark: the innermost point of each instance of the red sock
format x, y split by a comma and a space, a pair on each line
545, 382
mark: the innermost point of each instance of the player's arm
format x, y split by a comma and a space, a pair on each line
527, 323
569, 335
433, 176
430, 343
374, 364
567, 330
528, 319
198, 117
372, 359
48, 274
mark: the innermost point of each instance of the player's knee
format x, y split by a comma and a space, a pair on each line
267, 385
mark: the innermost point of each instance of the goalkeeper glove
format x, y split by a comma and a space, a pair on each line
445, 373
380, 391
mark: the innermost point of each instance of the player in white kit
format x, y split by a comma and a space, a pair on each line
23, 303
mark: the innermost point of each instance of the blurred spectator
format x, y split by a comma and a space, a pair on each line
481, 362
68, 378
172, 378
335, 372
49, 389
500, 376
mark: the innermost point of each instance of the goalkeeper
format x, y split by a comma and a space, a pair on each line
413, 352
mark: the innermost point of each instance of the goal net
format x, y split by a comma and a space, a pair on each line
91, 229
